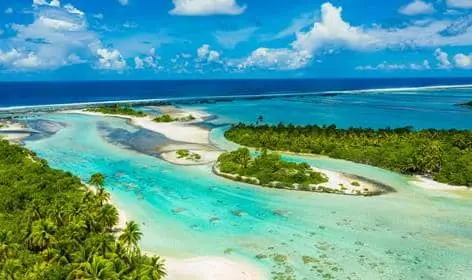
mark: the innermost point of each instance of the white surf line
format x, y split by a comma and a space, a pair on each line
225, 97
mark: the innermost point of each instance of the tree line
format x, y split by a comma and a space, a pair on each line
53, 227
443, 155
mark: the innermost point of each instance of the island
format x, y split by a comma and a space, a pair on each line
441, 155
118, 109
165, 118
270, 170
53, 227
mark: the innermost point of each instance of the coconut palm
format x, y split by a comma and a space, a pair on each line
42, 234
98, 269
102, 196
108, 216
97, 180
131, 235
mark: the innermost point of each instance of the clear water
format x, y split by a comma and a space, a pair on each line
187, 211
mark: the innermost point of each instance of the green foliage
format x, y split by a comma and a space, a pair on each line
118, 109
444, 155
186, 154
268, 168
52, 227
97, 180
164, 118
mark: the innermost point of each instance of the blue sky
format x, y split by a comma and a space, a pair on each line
194, 39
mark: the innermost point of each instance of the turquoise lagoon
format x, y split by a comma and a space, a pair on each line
187, 211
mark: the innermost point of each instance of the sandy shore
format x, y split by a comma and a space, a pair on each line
179, 131
212, 268
338, 183
13, 131
207, 156
430, 184
198, 268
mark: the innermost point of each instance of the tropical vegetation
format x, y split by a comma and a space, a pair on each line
118, 109
186, 154
443, 155
53, 227
168, 118
268, 169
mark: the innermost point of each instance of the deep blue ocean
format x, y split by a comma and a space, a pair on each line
45, 93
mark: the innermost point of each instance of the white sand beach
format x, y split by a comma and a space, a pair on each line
345, 183
212, 268
179, 131
207, 156
13, 131
426, 183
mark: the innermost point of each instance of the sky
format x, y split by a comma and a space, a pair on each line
211, 39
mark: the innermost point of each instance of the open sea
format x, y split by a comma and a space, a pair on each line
187, 211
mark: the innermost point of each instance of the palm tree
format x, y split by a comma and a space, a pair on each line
102, 196
97, 180
98, 269
42, 234
157, 269
130, 235
108, 216
104, 243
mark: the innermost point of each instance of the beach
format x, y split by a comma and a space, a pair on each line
429, 184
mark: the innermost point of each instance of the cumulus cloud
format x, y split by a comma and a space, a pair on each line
49, 41
9, 10
206, 54
123, 2
73, 10
417, 7
442, 59
459, 4
149, 60
463, 61
332, 29
276, 59
109, 59
425, 65
53, 3
138, 63
206, 7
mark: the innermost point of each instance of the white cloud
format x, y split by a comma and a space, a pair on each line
52, 3
460, 4
230, 39
9, 10
442, 59
139, 63
385, 66
73, 10
109, 59
123, 2
150, 60
49, 41
417, 7
276, 59
206, 7
204, 53
332, 30
463, 61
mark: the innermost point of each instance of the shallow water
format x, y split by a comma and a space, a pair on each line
187, 211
